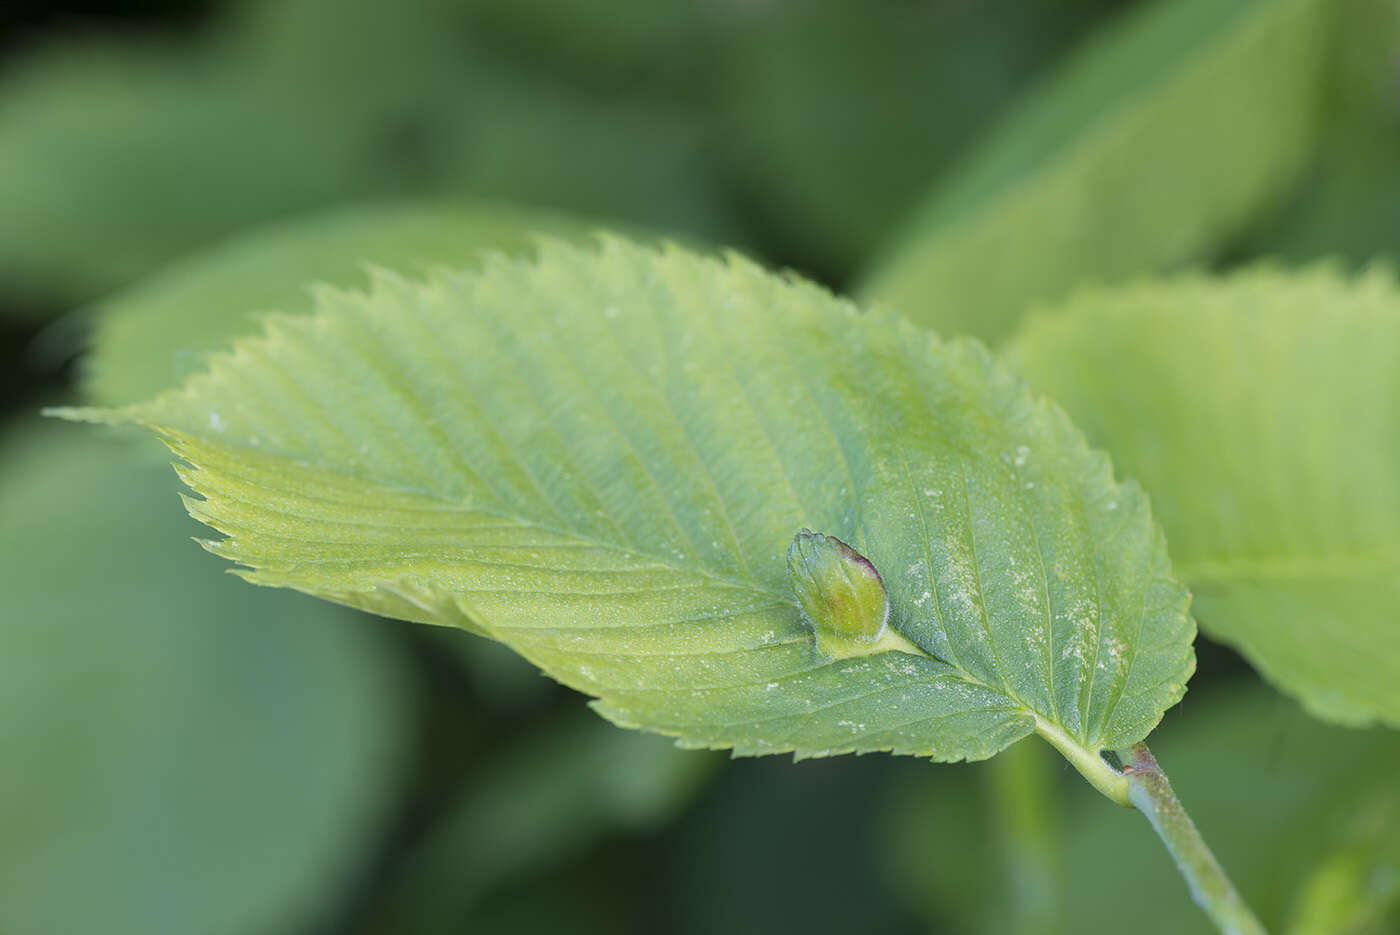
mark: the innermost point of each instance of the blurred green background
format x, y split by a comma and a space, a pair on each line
183, 753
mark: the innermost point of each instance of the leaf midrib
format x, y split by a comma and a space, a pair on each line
179, 438
1004, 689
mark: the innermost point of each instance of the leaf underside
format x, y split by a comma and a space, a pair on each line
1259, 411
600, 460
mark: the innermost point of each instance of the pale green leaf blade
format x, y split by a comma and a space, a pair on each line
157, 334
601, 460
181, 753
1167, 135
1258, 411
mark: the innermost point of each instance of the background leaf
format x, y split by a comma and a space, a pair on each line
154, 335
832, 112
1163, 138
183, 753
121, 157
1349, 204
600, 460
1258, 412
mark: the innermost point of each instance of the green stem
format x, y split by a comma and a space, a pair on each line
1141, 784
1151, 793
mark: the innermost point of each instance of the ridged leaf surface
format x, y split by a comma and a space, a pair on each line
601, 459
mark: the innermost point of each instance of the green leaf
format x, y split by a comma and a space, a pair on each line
121, 157
1258, 412
630, 40
834, 111
455, 107
600, 459
118, 158
182, 753
511, 133
152, 337
1167, 135
1350, 204
1356, 889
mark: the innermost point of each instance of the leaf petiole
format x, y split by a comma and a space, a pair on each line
1091, 765
1151, 793
1141, 784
